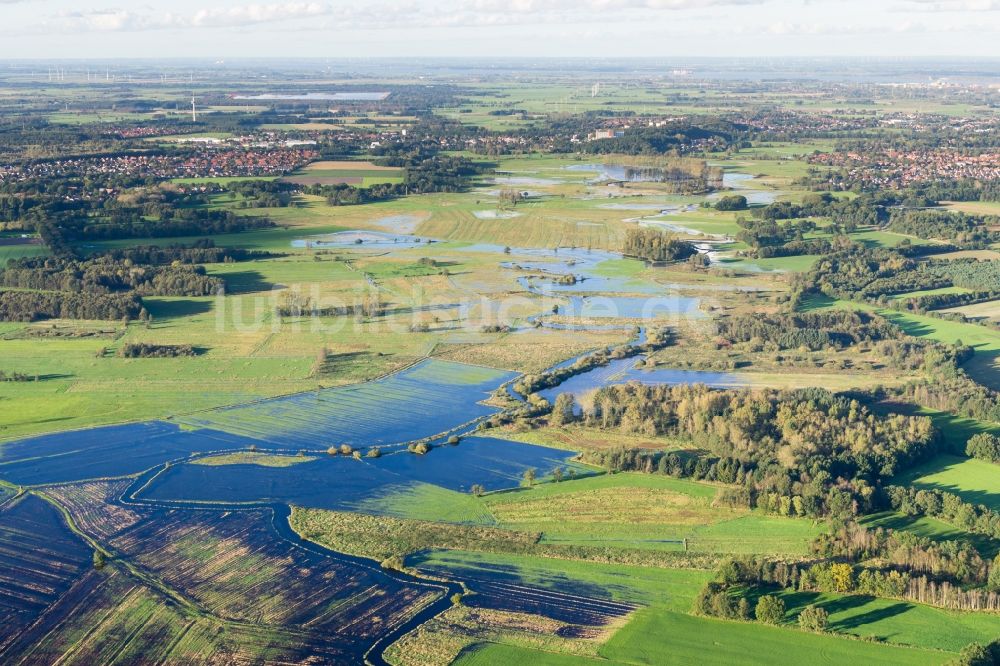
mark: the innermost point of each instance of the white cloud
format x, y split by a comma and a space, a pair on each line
374, 15
953, 5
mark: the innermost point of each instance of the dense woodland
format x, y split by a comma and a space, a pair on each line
874, 274
105, 275
40, 305
656, 246
805, 452
814, 330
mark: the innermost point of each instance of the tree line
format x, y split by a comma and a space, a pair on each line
106, 275
39, 305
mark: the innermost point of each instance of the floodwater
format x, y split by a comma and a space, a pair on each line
400, 224
354, 239
741, 183
342, 483
622, 371
624, 173
526, 181
495, 214
624, 307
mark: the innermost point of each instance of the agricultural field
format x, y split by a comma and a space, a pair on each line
974, 480
679, 639
640, 511
363, 174
41, 560
234, 566
565, 384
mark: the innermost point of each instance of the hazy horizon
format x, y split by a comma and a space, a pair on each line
102, 29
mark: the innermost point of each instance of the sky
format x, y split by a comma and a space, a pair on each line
497, 28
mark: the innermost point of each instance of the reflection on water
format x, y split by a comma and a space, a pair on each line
741, 183
631, 174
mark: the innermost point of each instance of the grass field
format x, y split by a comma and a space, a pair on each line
381, 537
973, 480
363, 174
670, 588
975, 207
656, 636
932, 528
781, 264
896, 622
646, 511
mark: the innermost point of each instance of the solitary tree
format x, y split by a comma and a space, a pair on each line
563, 410
770, 609
99, 560
813, 618
529, 477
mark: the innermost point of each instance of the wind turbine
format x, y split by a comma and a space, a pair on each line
194, 111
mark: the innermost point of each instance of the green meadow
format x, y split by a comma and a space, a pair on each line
973, 480
645, 511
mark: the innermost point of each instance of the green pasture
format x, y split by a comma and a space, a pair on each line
974, 480
646, 511
931, 528
897, 622
674, 589
428, 502
656, 636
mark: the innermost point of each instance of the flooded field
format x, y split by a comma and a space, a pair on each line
356, 239
624, 370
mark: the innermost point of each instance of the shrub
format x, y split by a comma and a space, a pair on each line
813, 618
974, 654
984, 446
770, 609
394, 563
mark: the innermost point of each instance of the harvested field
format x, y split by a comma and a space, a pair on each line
40, 560
237, 567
